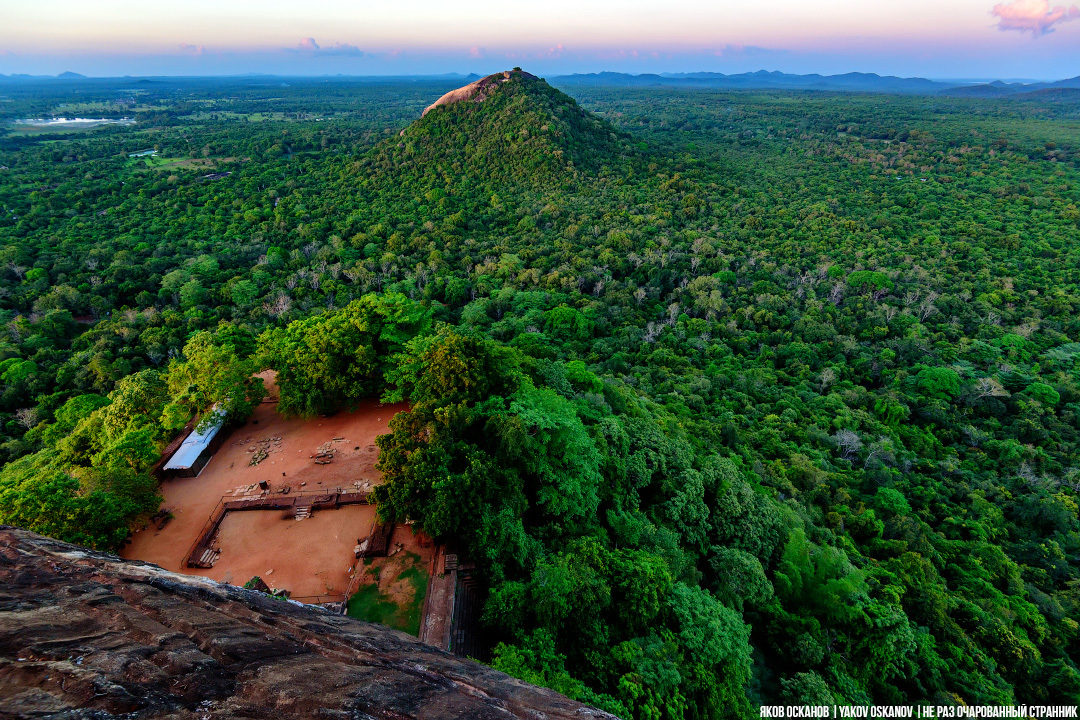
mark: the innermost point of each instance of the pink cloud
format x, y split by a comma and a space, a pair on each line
308, 45
1034, 16
738, 51
729, 49
476, 51
195, 50
553, 52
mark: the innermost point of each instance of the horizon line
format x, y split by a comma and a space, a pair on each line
70, 73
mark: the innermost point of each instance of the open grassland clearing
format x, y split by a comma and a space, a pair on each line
175, 163
392, 589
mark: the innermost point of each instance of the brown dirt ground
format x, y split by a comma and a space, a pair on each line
307, 557
315, 551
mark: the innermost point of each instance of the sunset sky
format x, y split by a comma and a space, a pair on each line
931, 38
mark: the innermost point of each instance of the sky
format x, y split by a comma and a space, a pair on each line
978, 39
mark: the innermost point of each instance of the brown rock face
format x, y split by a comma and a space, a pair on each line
476, 91
88, 635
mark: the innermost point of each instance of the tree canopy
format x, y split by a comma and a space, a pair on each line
733, 397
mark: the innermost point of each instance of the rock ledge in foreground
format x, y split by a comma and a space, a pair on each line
85, 634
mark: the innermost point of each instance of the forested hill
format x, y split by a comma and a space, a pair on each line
476, 165
515, 131
733, 397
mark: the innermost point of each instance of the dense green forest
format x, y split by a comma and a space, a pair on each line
734, 397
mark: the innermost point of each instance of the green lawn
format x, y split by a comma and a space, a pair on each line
371, 604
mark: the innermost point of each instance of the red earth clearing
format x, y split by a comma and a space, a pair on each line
309, 557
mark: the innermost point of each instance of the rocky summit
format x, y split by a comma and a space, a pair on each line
87, 635
479, 90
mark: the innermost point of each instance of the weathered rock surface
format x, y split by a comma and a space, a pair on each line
476, 91
88, 635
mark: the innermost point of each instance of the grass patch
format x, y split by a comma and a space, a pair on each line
158, 162
50, 129
372, 604
368, 603
411, 613
153, 161
83, 108
205, 115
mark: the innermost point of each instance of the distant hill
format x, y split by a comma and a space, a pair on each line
847, 82
999, 89
483, 151
23, 77
988, 90
850, 82
510, 126
1053, 95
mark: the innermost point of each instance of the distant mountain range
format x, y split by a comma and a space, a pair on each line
1060, 90
762, 79
848, 82
998, 89
23, 77
62, 76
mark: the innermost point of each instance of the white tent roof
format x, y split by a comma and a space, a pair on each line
194, 444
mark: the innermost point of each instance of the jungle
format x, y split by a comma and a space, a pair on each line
734, 397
